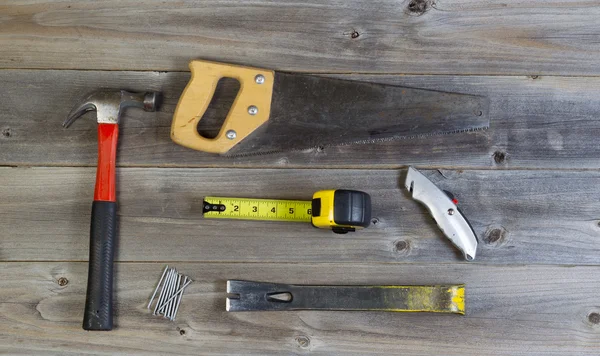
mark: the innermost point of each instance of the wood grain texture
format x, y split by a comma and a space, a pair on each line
449, 37
548, 122
530, 185
523, 217
511, 310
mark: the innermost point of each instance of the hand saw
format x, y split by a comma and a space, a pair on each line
276, 111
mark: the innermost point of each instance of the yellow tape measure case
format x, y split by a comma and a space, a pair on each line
341, 210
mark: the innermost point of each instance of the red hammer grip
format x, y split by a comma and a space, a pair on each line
107, 155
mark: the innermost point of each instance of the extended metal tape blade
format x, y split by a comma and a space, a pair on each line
309, 111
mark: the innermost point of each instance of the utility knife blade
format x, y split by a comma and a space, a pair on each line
445, 212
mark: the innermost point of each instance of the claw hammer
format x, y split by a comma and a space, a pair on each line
109, 105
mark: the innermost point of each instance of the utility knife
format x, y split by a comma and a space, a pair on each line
443, 207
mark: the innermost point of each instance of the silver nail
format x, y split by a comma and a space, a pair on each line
158, 285
163, 290
169, 288
180, 290
174, 305
180, 296
169, 292
171, 306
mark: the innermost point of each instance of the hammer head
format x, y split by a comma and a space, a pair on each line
109, 104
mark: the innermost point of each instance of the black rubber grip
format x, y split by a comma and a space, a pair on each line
98, 301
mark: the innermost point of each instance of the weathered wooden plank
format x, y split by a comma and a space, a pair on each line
511, 310
548, 122
448, 37
519, 216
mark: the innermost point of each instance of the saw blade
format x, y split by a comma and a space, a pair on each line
311, 111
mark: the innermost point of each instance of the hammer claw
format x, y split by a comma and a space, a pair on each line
78, 112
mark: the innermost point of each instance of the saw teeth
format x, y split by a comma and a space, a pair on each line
359, 142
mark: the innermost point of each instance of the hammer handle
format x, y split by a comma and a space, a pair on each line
98, 302
106, 186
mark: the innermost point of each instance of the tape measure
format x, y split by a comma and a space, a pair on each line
339, 210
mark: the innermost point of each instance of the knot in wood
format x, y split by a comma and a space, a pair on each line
419, 7
499, 157
495, 235
401, 246
62, 281
594, 318
303, 341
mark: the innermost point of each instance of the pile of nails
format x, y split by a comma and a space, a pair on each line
171, 285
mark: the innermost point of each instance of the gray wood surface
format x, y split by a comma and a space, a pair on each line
511, 310
523, 217
450, 37
548, 122
530, 185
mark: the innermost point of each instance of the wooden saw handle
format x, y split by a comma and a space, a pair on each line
198, 94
